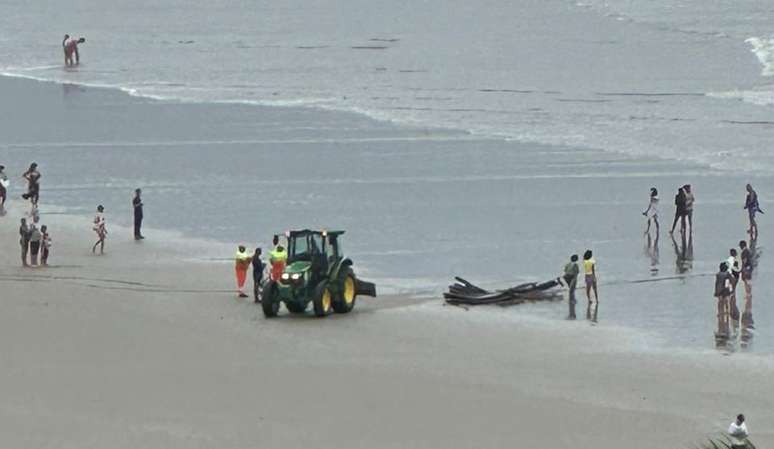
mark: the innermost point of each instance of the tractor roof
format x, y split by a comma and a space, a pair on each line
303, 232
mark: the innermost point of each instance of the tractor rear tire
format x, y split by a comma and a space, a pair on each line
347, 291
323, 300
295, 308
270, 302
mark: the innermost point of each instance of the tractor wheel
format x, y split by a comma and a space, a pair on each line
295, 308
347, 292
323, 300
270, 302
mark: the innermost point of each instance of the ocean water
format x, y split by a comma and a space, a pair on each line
507, 135
674, 79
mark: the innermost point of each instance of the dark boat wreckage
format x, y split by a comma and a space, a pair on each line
463, 292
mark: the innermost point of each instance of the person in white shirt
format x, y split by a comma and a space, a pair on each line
738, 434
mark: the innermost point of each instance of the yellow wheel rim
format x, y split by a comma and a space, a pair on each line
349, 290
326, 300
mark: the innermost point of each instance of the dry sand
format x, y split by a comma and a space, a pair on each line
145, 348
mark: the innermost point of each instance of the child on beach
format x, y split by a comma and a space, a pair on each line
101, 229
652, 211
45, 245
242, 264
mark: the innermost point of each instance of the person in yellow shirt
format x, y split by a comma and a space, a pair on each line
278, 258
590, 269
243, 260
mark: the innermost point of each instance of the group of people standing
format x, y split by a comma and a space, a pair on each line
278, 258
570, 277
684, 200
35, 241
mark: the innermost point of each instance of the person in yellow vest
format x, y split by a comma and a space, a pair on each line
243, 260
278, 258
590, 269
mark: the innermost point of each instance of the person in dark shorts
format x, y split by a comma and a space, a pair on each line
35, 239
679, 210
137, 206
689, 200
3, 186
747, 265
723, 287
753, 207
24, 241
45, 245
258, 267
571, 271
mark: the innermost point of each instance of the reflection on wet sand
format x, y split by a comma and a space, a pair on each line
683, 253
651, 250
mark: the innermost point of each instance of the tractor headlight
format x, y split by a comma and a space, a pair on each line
285, 276
295, 276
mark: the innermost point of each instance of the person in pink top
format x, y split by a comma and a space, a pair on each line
70, 46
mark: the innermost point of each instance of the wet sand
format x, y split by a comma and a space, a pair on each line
142, 348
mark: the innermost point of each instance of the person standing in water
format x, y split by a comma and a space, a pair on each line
723, 287
45, 244
137, 206
679, 210
753, 207
24, 241
32, 175
100, 227
689, 200
652, 211
590, 270
747, 266
242, 264
258, 267
3, 187
70, 46
571, 272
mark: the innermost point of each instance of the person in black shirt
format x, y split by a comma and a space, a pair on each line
680, 211
137, 203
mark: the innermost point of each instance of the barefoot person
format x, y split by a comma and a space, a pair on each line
590, 270
32, 175
70, 45
723, 287
24, 241
689, 200
45, 244
100, 228
753, 207
242, 264
747, 266
3, 187
137, 206
679, 210
652, 211
571, 272
35, 239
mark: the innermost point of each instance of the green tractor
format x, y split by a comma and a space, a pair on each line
317, 273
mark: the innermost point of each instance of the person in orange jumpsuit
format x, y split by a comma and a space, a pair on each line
243, 260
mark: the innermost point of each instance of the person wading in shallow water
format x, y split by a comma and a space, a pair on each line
679, 210
652, 211
100, 228
753, 207
590, 270
689, 200
571, 272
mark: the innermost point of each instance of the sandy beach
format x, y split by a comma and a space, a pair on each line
139, 348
